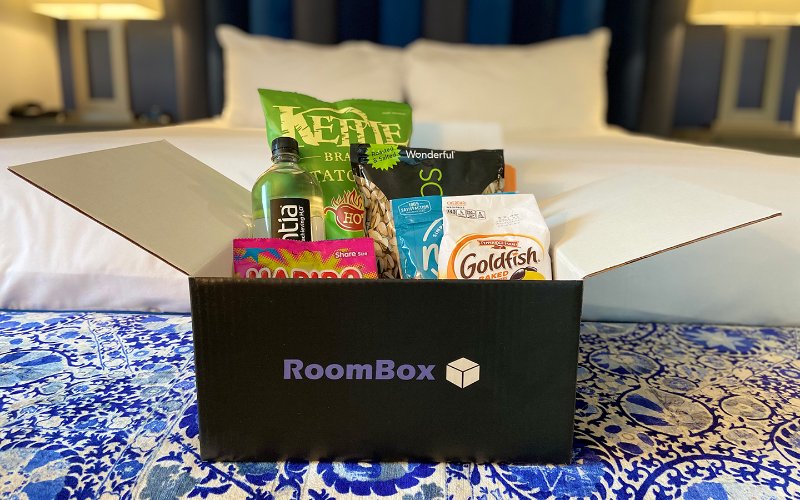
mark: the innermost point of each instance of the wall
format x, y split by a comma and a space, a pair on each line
701, 73
151, 67
29, 65
166, 62
663, 60
399, 22
188, 18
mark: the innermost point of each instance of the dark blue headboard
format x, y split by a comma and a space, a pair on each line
399, 22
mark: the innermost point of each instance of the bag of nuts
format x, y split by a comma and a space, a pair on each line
385, 172
418, 226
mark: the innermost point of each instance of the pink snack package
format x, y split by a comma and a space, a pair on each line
278, 258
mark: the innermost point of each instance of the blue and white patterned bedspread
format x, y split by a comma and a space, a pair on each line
103, 406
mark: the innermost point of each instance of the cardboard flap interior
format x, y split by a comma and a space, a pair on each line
155, 195
627, 218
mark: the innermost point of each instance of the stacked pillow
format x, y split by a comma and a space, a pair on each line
558, 86
328, 72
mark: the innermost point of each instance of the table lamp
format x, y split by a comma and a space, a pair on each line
98, 51
756, 30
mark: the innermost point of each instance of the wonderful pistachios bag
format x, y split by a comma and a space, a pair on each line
324, 131
385, 173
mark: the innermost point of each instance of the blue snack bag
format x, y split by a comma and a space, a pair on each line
418, 226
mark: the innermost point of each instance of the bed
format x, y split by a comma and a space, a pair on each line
745, 277
96, 402
96, 359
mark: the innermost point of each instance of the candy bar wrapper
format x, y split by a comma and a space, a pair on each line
278, 258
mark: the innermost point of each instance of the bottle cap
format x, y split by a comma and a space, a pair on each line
283, 145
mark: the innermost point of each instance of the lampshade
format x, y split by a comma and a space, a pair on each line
745, 12
99, 9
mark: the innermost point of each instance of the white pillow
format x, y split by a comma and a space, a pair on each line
465, 136
550, 87
356, 69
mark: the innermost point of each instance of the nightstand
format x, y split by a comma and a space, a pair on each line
48, 126
779, 142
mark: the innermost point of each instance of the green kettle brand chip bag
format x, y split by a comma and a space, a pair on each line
386, 172
324, 131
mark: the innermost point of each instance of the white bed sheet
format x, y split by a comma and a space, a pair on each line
750, 276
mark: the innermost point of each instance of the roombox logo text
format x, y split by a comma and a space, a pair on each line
461, 372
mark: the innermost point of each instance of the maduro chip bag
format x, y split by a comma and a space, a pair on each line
279, 258
324, 131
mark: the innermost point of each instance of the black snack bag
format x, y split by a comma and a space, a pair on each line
385, 172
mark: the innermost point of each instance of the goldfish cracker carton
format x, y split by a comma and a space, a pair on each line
278, 258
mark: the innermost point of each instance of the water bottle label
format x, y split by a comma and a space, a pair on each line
290, 218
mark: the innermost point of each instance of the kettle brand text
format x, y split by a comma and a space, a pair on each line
338, 127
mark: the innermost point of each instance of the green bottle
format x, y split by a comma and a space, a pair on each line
287, 200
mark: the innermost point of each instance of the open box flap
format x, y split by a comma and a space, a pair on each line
623, 219
156, 196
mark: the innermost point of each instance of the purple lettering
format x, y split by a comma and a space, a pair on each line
291, 369
425, 372
359, 372
406, 372
314, 372
334, 372
384, 369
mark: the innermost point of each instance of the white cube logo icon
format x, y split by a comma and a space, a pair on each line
463, 372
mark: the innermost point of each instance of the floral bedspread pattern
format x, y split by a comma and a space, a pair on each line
102, 406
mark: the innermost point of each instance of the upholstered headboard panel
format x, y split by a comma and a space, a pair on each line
399, 22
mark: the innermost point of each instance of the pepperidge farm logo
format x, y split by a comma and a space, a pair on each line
461, 372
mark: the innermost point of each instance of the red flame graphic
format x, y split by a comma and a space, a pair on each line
349, 210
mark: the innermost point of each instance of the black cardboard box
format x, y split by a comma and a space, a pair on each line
490, 365
523, 338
